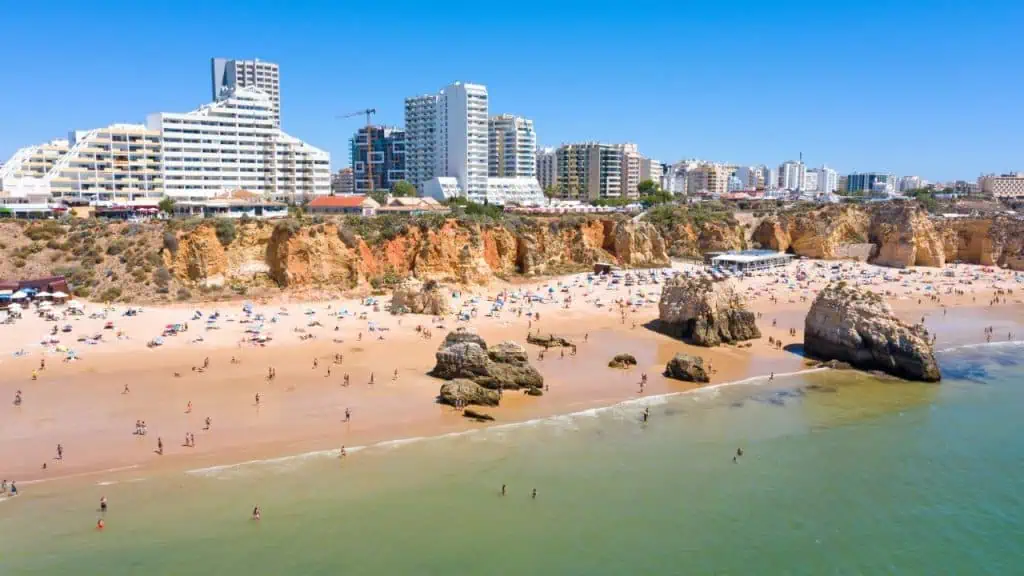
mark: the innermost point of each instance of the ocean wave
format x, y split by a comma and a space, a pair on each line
79, 474
1002, 344
568, 421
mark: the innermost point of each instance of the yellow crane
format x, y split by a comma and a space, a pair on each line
369, 112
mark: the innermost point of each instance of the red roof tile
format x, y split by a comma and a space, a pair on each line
337, 202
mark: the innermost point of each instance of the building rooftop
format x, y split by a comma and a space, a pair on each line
340, 201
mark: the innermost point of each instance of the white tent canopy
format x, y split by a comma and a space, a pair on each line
19, 295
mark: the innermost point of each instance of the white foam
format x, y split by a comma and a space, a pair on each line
65, 477
1003, 344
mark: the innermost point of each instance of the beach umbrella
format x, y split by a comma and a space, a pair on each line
15, 307
43, 295
59, 294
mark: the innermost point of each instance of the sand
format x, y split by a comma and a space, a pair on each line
81, 404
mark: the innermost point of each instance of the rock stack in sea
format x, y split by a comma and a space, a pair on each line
417, 297
465, 355
857, 326
705, 312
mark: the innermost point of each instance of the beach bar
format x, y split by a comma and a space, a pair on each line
750, 260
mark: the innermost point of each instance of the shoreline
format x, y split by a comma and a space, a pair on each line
79, 404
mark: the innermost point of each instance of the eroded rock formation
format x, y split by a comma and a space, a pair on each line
704, 312
463, 392
415, 297
687, 368
504, 366
858, 327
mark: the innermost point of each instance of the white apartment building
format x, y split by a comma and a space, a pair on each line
651, 170
230, 74
24, 173
420, 138
824, 180
520, 190
234, 143
1003, 186
547, 168
791, 175
462, 136
749, 177
910, 183
708, 178
810, 181
512, 147
631, 160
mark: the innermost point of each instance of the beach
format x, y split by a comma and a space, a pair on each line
82, 404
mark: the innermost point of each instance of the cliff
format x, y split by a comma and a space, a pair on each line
704, 312
895, 234
858, 327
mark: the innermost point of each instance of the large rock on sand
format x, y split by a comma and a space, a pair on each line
504, 366
460, 335
417, 297
467, 392
687, 368
548, 340
622, 361
858, 327
704, 312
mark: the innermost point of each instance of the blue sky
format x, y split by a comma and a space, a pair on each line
933, 88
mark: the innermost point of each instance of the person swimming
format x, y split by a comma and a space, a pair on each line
100, 524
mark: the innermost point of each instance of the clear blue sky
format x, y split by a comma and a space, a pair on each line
933, 88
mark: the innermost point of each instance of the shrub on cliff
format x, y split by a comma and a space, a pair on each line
225, 229
288, 227
171, 242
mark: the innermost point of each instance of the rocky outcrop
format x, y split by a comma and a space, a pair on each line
461, 335
622, 361
463, 392
477, 415
687, 368
548, 340
504, 366
897, 234
415, 297
200, 257
704, 312
858, 327
997, 241
639, 245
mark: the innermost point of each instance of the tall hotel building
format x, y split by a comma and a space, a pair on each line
512, 148
421, 138
234, 143
230, 74
589, 170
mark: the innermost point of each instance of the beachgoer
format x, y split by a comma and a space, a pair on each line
60, 452
103, 504
125, 391
342, 454
100, 524
739, 451
257, 399
159, 445
35, 374
503, 489
256, 513
14, 489
534, 495
208, 423
348, 414
42, 363
188, 409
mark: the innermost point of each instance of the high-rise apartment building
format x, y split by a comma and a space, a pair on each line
631, 160
512, 147
387, 164
708, 178
910, 183
1010, 185
234, 143
343, 182
421, 139
791, 175
229, 74
651, 170
462, 136
589, 171
547, 168
823, 180
748, 177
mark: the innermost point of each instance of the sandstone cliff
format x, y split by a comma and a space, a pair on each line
704, 312
333, 256
857, 326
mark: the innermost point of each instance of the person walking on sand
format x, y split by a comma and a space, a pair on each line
315, 363
188, 409
348, 414
103, 504
60, 452
328, 375
257, 399
371, 378
208, 423
125, 391
159, 445
17, 398
395, 377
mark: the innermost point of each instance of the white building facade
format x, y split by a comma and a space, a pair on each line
651, 170
234, 143
462, 136
229, 74
547, 168
791, 175
512, 147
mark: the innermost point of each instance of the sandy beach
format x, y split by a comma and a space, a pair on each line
82, 404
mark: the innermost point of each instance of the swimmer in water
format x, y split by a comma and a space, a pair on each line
256, 513
534, 495
342, 454
503, 489
100, 524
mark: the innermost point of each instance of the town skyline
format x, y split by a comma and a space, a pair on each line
740, 115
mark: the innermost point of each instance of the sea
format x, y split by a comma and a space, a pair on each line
841, 473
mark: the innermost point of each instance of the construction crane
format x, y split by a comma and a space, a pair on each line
369, 112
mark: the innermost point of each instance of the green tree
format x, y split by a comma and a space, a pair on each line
551, 192
166, 205
403, 189
647, 187
381, 196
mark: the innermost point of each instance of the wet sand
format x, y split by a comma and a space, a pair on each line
81, 405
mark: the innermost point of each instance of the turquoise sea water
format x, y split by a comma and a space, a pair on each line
842, 473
